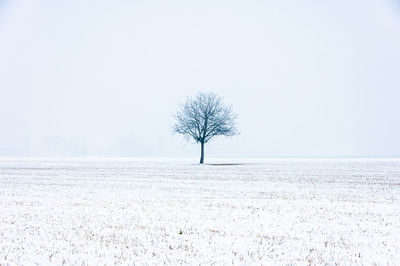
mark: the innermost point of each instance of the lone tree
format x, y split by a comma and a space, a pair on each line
203, 117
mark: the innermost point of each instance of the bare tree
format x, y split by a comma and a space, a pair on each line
203, 117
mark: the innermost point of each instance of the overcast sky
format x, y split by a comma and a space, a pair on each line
104, 78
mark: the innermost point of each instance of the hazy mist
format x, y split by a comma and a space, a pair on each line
104, 78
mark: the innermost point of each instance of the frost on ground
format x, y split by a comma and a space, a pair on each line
148, 211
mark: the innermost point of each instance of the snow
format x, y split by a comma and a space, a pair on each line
242, 211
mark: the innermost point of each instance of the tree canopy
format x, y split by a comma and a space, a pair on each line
205, 116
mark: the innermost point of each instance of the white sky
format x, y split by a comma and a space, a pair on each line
103, 78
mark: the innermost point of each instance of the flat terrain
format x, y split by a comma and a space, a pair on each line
173, 211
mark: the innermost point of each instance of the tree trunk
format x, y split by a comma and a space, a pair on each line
202, 153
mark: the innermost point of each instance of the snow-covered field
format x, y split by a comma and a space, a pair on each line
173, 211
